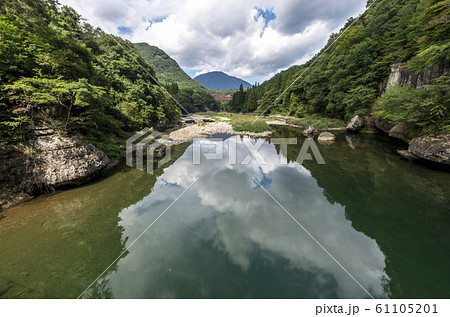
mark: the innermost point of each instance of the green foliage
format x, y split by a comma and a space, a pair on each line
358, 100
427, 108
317, 122
57, 70
192, 100
345, 79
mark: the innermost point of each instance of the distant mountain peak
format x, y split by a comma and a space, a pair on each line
218, 80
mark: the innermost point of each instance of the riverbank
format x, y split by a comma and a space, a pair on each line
202, 130
50, 161
250, 125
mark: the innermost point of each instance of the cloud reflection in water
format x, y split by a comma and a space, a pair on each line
226, 238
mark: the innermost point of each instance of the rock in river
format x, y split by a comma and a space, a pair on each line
404, 131
310, 130
435, 149
326, 138
44, 163
355, 124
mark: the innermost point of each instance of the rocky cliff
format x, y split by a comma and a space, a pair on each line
46, 162
401, 76
431, 148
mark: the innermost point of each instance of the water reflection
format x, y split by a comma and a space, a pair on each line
226, 238
384, 218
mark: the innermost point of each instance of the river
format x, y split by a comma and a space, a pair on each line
367, 223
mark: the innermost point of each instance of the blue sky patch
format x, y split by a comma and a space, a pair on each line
267, 15
265, 181
123, 30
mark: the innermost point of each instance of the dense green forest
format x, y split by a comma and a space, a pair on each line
345, 79
57, 70
193, 100
188, 93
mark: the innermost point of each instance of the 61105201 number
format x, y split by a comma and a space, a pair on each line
406, 308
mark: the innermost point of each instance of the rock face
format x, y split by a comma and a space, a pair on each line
326, 138
355, 124
400, 76
44, 163
435, 149
403, 131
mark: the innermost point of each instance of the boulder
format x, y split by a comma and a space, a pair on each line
404, 131
44, 163
310, 130
435, 149
326, 138
355, 124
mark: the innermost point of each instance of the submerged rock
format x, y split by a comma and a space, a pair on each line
404, 131
355, 124
435, 149
407, 155
326, 138
44, 163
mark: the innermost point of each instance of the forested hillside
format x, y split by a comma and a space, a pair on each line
346, 79
56, 70
188, 93
166, 68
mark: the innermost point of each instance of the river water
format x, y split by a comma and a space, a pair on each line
228, 230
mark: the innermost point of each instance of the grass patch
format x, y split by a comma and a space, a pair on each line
245, 122
317, 122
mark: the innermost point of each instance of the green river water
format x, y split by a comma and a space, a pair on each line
383, 218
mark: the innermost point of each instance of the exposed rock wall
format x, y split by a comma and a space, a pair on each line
435, 149
400, 76
44, 163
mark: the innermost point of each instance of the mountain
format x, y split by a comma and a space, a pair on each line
221, 81
351, 74
166, 68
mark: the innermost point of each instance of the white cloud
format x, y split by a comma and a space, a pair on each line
225, 209
224, 35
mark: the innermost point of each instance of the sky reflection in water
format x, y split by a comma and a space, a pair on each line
225, 237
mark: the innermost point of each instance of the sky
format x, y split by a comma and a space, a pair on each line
249, 39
